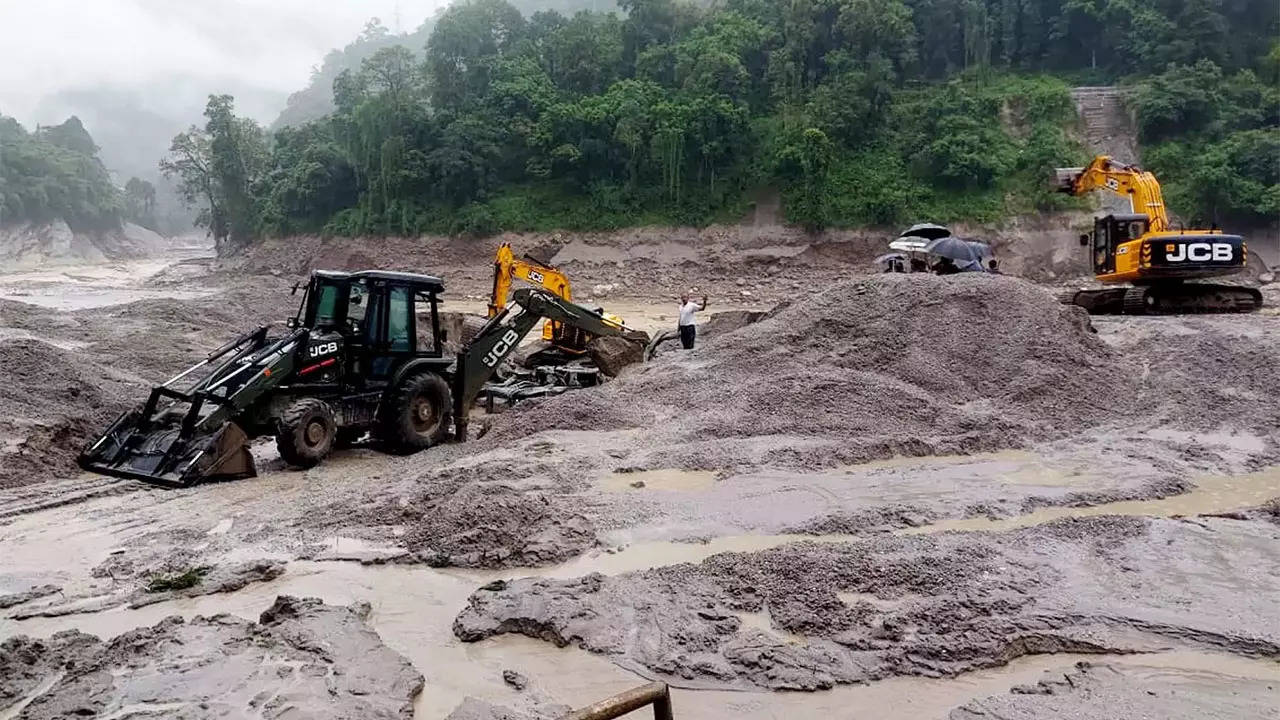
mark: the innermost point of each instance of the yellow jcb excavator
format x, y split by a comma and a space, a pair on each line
1155, 261
507, 268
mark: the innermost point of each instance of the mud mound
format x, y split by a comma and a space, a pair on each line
302, 659
494, 528
809, 615
1203, 372
52, 401
1104, 692
964, 362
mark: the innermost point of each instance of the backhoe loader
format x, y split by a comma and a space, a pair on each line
351, 363
1155, 262
567, 342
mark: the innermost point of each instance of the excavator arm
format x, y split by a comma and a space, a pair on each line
502, 335
1140, 186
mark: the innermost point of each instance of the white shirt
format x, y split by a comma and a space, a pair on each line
686, 312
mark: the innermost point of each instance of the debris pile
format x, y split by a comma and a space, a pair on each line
495, 527
52, 401
963, 363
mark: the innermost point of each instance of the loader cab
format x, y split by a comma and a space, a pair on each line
370, 323
1109, 233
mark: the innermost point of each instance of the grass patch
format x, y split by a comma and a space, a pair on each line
177, 581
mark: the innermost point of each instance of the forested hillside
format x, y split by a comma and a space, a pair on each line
316, 100
55, 174
856, 111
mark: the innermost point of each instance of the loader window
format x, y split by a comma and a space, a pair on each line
400, 320
326, 305
357, 304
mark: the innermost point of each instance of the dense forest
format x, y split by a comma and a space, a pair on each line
54, 174
856, 111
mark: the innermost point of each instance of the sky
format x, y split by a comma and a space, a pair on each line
168, 55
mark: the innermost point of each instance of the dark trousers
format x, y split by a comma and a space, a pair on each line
687, 335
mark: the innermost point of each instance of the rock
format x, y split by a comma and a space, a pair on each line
612, 354
515, 679
638, 484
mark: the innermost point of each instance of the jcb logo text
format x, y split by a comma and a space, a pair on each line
1199, 252
494, 356
316, 351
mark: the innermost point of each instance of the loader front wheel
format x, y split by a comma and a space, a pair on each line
416, 413
306, 432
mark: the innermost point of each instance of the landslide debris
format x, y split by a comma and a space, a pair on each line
489, 527
914, 363
1103, 692
934, 606
68, 375
301, 659
52, 401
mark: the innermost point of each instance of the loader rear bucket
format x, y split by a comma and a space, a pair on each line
162, 456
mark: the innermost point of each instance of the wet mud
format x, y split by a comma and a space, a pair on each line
953, 603
1100, 692
301, 659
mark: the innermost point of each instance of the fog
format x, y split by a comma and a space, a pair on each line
166, 56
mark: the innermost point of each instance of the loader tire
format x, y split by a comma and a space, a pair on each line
306, 432
416, 414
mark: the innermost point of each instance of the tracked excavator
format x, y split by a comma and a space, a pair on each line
1153, 265
566, 342
363, 355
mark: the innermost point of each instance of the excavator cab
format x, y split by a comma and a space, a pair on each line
1109, 238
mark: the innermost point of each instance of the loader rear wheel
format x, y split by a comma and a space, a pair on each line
416, 413
306, 432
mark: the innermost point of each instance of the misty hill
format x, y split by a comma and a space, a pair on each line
316, 100
58, 201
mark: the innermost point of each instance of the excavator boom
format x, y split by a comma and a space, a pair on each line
1140, 186
507, 268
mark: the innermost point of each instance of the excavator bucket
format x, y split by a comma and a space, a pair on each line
1064, 179
164, 454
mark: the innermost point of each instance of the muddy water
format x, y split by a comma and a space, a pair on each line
662, 480
79, 287
1212, 494
413, 609
646, 555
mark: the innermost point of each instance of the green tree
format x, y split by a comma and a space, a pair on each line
217, 168
468, 37
140, 202
806, 161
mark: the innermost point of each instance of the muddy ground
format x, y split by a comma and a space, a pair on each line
949, 490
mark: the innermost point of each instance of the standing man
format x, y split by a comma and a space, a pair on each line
688, 329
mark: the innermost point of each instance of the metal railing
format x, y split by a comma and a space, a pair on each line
656, 694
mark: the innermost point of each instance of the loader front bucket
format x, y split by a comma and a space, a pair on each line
162, 456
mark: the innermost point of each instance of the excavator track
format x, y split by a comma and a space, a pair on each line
1170, 299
